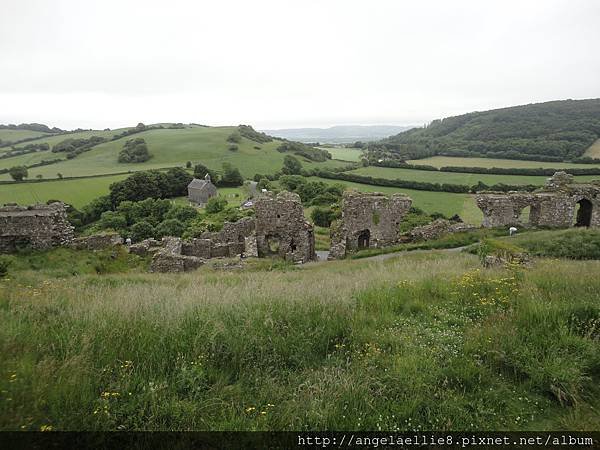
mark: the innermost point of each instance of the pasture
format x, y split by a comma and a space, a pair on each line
441, 161
174, 147
430, 202
345, 154
77, 192
7, 136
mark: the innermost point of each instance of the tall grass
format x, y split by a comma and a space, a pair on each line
425, 341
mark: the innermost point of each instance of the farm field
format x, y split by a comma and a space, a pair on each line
594, 150
455, 178
345, 154
441, 161
428, 340
17, 135
174, 147
77, 192
443, 202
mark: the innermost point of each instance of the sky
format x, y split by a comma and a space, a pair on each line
283, 64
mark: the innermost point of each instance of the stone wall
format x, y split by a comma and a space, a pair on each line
39, 227
97, 241
369, 220
282, 229
560, 203
437, 229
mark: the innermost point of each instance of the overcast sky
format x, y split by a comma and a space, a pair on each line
280, 63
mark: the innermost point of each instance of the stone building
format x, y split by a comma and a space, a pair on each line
561, 203
368, 220
199, 191
282, 229
39, 227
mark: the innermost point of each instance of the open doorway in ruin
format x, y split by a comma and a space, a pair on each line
583, 216
272, 245
363, 239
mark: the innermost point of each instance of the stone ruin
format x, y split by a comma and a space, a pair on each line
97, 241
561, 203
369, 220
39, 227
281, 228
437, 229
278, 229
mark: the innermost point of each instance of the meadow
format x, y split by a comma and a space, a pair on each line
17, 135
345, 154
468, 179
88, 341
430, 202
174, 147
441, 161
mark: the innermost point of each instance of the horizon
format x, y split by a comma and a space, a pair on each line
338, 63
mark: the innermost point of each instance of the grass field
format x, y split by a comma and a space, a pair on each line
594, 150
468, 179
444, 202
441, 161
345, 154
425, 341
75, 192
174, 147
17, 135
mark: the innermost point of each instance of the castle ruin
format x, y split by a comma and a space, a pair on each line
39, 227
369, 220
561, 203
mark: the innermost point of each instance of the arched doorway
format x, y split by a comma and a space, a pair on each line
583, 217
363, 239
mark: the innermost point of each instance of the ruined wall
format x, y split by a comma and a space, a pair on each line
230, 241
437, 229
97, 241
281, 228
39, 227
368, 220
556, 205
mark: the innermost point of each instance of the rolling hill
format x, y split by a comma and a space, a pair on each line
552, 131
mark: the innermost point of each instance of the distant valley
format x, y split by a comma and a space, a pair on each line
339, 134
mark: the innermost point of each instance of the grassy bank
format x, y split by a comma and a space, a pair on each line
426, 341
441, 161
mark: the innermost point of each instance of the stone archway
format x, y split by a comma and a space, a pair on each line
364, 238
583, 217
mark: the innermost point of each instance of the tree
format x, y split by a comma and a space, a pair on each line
234, 138
215, 205
200, 171
169, 227
112, 220
188, 165
18, 173
141, 230
139, 186
231, 176
177, 181
322, 217
59, 175
134, 150
291, 165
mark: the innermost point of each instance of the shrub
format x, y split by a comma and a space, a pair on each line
234, 138
134, 151
233, 148
169, 227
291, 165
141, 230
18, 172
215, 205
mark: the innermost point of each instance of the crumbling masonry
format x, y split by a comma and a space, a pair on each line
278, 229
38, 227
561, 203
368, 220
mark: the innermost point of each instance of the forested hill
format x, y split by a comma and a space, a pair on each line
551, 131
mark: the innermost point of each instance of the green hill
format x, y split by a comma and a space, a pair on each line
551, 131
169, 147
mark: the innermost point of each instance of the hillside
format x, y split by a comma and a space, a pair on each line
338, 134
169, 147
551, 131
